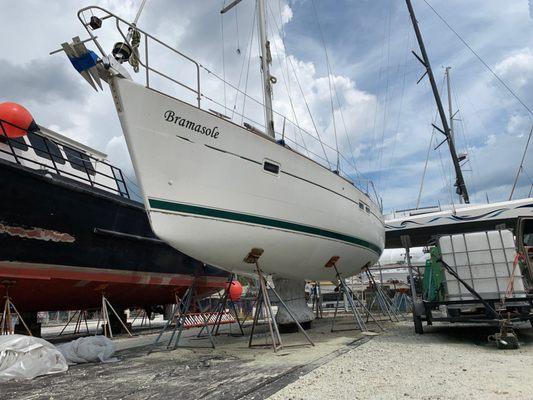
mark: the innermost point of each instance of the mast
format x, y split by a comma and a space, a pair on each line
459, 180
450, 107
266, 59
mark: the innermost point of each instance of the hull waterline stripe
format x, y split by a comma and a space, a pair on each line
258, 220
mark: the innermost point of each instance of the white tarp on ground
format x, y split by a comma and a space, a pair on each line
25, 357
88, 349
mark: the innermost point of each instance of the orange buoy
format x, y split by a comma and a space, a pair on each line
15, 120
235, 291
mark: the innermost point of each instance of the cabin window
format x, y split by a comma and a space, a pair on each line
79, 160
367, 209
271, 167
40, 144
361, 206
16, 143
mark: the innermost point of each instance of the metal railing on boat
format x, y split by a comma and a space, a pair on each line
84, 167
87, 15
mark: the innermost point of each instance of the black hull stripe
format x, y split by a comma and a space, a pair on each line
259, 220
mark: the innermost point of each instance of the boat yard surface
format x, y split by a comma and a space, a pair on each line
230, 371
448, 362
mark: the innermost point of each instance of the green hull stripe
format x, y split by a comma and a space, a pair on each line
257, 220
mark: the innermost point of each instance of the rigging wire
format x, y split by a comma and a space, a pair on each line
333, 90
237, 91
469, 148
446, 182
285, 73
521, 167
425, 167
287, 82
387, 97
301, 130
289, 94
308, 110
371, 160
329, 81
446, 178
486, 65
402, 95
345, 129
303, 95
258, 102
248, 67
530, 181
483, 126
511, 91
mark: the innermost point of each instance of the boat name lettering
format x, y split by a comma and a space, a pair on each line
170, 116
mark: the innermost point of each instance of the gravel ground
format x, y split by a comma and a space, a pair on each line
445, 363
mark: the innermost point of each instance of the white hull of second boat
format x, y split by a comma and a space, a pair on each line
208, 194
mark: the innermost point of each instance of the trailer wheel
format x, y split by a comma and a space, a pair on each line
453, 312
524, 310
419, 329
510, 342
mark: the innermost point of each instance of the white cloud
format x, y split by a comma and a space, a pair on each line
517, 69
495, 126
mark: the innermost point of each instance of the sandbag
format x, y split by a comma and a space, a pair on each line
25, 357
88, 349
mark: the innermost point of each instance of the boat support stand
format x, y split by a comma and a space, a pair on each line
353, 302
225, 302
82, 317
263, 301
106, 320
385, 304
180, 315
8, 312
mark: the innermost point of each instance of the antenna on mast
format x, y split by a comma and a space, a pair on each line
446, 131
266, 60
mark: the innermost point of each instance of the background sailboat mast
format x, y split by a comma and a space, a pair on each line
266, 59
459, 180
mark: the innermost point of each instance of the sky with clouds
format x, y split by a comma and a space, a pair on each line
382, 118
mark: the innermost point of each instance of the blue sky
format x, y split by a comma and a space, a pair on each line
387, 116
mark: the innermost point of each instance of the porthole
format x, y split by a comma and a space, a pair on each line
271, 167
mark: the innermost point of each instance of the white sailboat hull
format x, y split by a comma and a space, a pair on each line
208, 195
